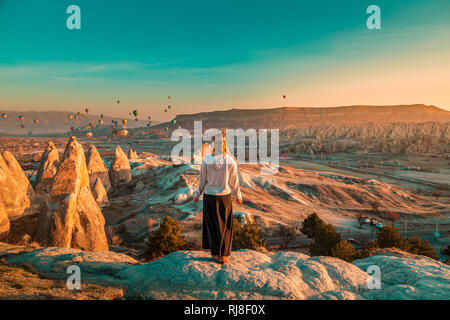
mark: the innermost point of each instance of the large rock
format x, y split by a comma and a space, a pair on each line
47, 170
71, 218
249, 275
15, 192
132, 154
120, 169
4, 223
99, 193
97, 168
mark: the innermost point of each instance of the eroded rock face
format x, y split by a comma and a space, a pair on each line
4, 223
99, 193
15, 192
71, 218
132, 154
97, 168
120, 169
249, 275
47, 170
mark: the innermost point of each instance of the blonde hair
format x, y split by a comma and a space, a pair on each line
225, 148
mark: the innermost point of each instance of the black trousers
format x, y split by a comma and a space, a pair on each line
217, 224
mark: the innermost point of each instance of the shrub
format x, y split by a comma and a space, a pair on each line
389, 236
247, 236
325, 240
344, 251
288, 233
368, 249
360, 220
446, 251
419, 246
166, 239
375, 206
310, 225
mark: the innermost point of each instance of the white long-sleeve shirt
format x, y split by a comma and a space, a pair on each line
219, 176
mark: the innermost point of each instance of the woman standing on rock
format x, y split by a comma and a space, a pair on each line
218, 179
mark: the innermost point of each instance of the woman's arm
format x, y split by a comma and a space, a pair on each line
234, 181
203, 181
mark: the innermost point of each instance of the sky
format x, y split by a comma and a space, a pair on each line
217, 55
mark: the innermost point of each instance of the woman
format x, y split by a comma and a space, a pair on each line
218, 179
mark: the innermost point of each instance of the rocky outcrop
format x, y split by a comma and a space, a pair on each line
16, 193
392, 138
4, 223
99, 193
47, 170
120, 169
249, 275
71, 218
132, 154
97, 168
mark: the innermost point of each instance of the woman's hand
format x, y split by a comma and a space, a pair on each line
195, 199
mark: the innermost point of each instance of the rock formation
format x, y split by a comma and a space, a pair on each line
132, 154
47, 170
71, 218
249, 275
97, 168
4, 223
120, 170
99, 193
15, 192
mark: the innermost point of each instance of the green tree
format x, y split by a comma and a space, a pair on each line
325, 240
166, 239
344, 251
390, 236
288, 233
360, 220
368, 249
311, 224
247, 236
419, 246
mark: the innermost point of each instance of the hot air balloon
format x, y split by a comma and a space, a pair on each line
70, 117
87, 110
100, 122
21, 118
174, 121
284, 96
148, 125
136, 119
118, 101
123, 133
72, 128
169, 107
79, 113
88, 135
36, 121
165, 111
149, 117
135, 113
102, 116
170, 97
124, 121
4, 115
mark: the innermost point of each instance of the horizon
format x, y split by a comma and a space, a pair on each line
216, 56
